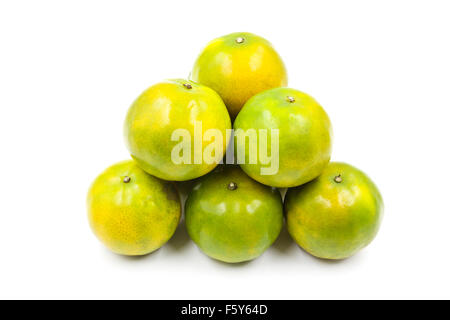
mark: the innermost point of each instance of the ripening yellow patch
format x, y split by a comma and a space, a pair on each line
238, 71
133, 218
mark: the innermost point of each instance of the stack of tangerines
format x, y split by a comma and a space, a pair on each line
238, 134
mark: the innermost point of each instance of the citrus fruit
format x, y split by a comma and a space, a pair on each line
132, 212
171, 113
298, 134
238, 66
231, 217
335, 215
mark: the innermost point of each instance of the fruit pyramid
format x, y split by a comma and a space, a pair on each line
238, 135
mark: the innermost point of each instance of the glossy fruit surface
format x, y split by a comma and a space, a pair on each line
162, 109
238, 66
335, 215
304, 136
132, 212
231, 217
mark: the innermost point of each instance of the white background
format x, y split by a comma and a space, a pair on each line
70, 69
